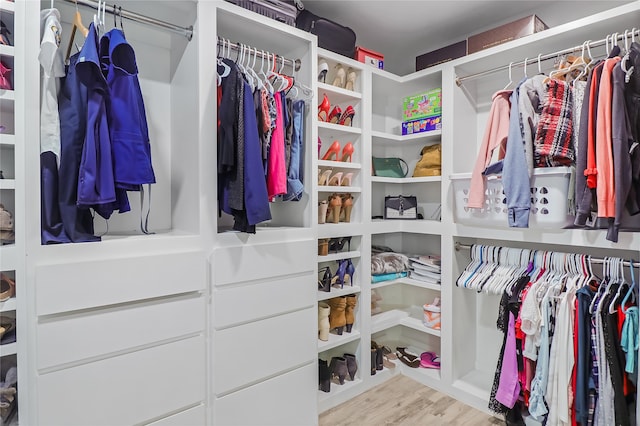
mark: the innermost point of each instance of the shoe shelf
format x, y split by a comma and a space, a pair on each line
8, 349
342, 229
8, 95
477, 383
7, 6
8, 305
7, 140
420, 226
7, 184
419, 374
431, 136
426, 179
7, 51
339, 164
338, 94
8, 257
338, 388
337, 292
402, 316
338, 128
336, 340
338, 256
335, 188
407, 281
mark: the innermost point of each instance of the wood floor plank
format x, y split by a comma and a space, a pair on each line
402, 401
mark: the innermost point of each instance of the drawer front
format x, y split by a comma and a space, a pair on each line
81, 336
252, 352
288, 399
89, 284
233, 265
195, 416
126, 389
241, 304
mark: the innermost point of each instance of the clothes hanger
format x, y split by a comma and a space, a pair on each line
226, 68
77, 25
525, 67
631, 291
510, 79
623, 63
263, 75
623, 285
120, 13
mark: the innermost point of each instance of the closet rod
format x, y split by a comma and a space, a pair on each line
546, 56
133, 16
597, 260
293, 63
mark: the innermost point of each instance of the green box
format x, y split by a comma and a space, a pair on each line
422, 105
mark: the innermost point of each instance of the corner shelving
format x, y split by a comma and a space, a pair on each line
425, 179
339, 164
340, 255
337, 292
338, 340
423, 136
338, 128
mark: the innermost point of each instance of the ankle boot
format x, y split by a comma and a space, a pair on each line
323, 321
378, 361
373, 361
324, 376
352, 365
349, 310
337, 319
338, 368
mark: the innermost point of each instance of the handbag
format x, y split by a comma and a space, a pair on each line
400, 207
331, 35
430, 163
392, 167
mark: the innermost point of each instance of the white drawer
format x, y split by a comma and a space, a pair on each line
195, 416
81, 285
81, 336
126, 389
248, 353
288, 399
253, 262
241, 304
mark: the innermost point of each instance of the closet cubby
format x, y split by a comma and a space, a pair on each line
350, 387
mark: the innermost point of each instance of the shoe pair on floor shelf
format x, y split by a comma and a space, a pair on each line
336, 116
345, 80
337, 371
336, 209
333, 153
344, 274
337, 179
333, 245
425, 360
381, 357
336, 314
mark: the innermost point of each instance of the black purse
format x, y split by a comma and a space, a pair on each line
400, 207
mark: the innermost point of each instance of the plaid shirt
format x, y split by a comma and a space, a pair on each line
553, 144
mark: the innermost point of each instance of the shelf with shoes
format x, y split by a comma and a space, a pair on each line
324, 127
338, 94
9, 390
331, 368
336, 340
337, 291
336, 72
325, 164
7, 140
7, 6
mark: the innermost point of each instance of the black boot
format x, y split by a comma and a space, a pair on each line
373, 361
352, 365
338, 368
324, 376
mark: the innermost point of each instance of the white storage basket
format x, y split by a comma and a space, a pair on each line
549, 193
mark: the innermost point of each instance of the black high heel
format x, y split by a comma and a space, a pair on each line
324, 375
337, 244
325, 283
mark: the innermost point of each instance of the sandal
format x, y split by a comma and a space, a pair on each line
6, 325
429, 360
7, 287
407, 357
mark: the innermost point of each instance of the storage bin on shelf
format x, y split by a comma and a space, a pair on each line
549, 194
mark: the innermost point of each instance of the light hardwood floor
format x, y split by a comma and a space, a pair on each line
404, 402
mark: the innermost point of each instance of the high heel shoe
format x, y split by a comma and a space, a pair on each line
323, 69
337, 319
346, 119
335, 206
337, 244
351, 79
338, 278
350, 271
333, 151
346, 179
324, 376
339, 79
352, 300
347, 152
336, 179
338, 368
336, 115
322, 211
324, 284
323, 109
323, 177
4, 77
323, 321
323, 246
346, 207
4, 34
352, 365
319, 145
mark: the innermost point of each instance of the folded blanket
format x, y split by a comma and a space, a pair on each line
387, 277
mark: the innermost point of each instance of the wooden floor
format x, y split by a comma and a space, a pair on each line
403, 401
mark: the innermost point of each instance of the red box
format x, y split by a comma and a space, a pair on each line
370, 57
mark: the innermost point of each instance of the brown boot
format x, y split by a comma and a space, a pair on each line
349, 310
337, 319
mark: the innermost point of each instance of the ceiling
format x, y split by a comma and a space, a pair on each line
403, 29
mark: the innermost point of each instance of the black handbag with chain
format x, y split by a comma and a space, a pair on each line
400, 207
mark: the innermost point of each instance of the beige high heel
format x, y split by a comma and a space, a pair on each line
322, 211
335, 205
323, 177
351, 79
336, 179
347, 206
339, 79
346, 179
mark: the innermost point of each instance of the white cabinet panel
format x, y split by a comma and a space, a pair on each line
195, 416
81, 285
81, 336
248, 353
251, 262
126, 389
237, 305
289, 399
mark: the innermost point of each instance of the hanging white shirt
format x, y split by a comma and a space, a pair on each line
52, 63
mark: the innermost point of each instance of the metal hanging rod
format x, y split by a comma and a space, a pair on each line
596, 260
133, 16
547, 56
223, 43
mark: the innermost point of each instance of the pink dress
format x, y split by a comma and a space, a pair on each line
276, 167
